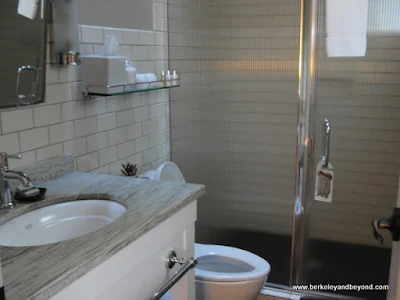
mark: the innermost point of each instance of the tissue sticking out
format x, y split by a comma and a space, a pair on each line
111, 46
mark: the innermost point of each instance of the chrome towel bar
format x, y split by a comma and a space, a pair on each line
171, 261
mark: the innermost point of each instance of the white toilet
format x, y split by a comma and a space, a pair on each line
222, 273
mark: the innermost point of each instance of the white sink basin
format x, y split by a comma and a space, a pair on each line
59, 222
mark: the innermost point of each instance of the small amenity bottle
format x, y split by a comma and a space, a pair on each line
162, 79
168, 77
175, 78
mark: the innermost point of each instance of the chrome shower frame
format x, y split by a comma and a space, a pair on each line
305, 140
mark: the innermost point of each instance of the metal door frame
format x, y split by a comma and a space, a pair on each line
305, 140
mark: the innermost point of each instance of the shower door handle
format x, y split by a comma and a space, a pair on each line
327, 136
392, 224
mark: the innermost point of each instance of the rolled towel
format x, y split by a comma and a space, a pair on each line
28, 8
346, 28
148, 80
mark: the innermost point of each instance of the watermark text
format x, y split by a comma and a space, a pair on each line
341, 287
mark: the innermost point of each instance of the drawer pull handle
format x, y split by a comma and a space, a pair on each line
171, 261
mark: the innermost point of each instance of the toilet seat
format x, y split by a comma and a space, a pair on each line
227, 264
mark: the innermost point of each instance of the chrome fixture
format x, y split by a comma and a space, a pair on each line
170, 263
64, 34
305, 139
327, 132
6, 200
392, 224
34, 82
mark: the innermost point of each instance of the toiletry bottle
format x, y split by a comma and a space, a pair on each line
162, 79
175, 78
168, 77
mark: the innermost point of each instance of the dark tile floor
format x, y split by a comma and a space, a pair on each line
328, 262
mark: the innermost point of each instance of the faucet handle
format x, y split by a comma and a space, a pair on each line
4, 160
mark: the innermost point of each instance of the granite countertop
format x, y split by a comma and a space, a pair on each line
40, 272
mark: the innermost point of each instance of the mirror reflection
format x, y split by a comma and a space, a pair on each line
22, 52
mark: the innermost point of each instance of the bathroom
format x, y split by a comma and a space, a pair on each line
245, 119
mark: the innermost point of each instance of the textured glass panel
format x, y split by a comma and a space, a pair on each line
384, 17
233, 121
360, 96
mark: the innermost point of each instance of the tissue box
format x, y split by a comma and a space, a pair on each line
100, 71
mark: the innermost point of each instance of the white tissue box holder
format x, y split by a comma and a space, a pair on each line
103, 74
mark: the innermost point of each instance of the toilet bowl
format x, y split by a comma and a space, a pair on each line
222, 272
229, 273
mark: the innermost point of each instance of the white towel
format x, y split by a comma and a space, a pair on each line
346, 27
28, 8
148, 80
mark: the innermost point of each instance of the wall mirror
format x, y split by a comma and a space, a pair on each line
22, 52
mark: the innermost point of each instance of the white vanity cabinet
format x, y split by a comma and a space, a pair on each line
139, 270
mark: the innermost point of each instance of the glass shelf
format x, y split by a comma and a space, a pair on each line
92, 91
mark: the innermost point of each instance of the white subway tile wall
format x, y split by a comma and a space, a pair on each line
16, 120
101, 133
9, 143
46, 115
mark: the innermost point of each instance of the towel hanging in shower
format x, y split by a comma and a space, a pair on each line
346, 28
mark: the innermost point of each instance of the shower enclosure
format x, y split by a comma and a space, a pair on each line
234, 127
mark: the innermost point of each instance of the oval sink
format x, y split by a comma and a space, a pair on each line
59, 222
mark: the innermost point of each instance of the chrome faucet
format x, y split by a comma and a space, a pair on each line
6, 199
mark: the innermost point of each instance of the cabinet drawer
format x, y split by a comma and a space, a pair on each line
144, 280
138, 270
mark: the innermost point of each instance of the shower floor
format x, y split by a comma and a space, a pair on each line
328, 262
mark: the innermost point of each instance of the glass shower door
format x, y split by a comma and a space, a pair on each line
233, 121
360, 96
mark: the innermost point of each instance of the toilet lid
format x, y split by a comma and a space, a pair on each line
169, 172
228, 264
